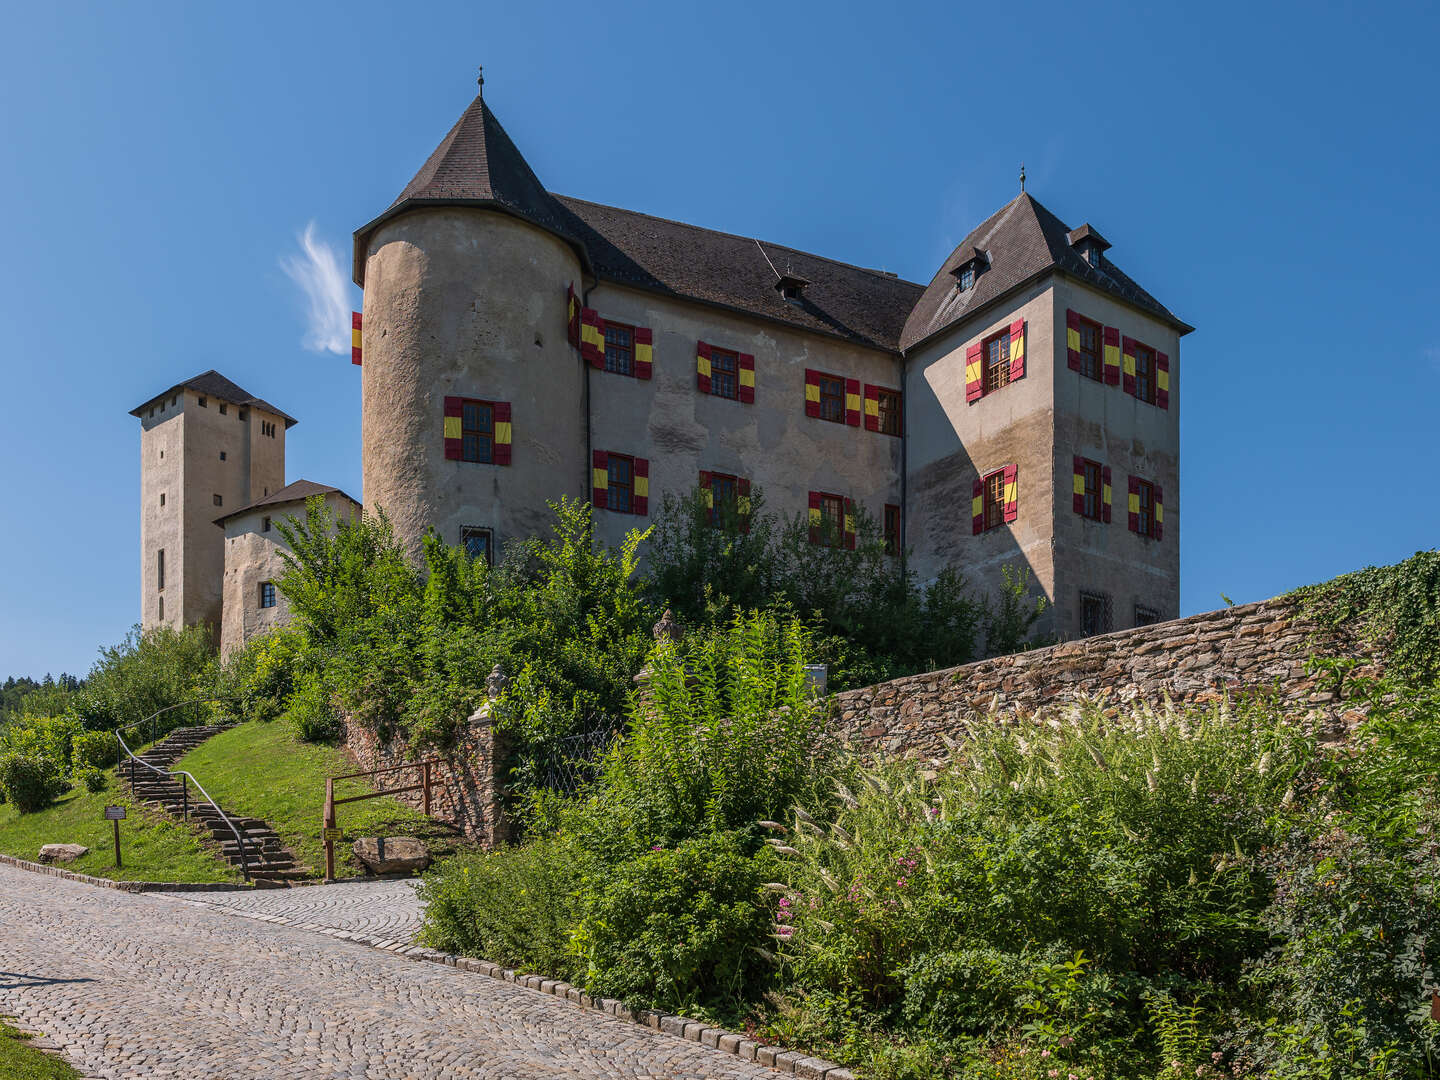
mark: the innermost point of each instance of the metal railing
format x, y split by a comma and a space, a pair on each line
123, 752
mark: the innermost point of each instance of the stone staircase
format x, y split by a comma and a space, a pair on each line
271, 865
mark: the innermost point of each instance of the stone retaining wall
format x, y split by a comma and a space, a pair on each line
465, 788
1253, 649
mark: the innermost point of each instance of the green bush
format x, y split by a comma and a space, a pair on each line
316, 718
678, 928
93, 779
257, 680
92, 750
30, 780
147, 672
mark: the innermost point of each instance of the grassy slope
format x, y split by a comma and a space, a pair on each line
153, 847
264, 770
20, 1061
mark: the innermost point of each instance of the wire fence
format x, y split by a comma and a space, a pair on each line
570, 763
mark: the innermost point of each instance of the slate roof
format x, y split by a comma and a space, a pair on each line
212, 384
299, 491
1021, 240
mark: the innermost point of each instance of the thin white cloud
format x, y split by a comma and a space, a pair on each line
316, 269
1432, 353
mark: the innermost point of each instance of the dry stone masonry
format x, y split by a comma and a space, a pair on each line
1249, 650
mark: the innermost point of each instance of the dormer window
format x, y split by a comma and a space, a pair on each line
967, 278
968, 269
1088, 244
791, 286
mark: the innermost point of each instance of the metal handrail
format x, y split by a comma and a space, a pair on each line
121, 745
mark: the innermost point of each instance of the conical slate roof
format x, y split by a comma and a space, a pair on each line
1020, 241
476, 164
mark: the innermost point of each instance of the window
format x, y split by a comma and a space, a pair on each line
267, 594
152, 412
477, 431
202, 403
477, 542
1095, 617
889, 411
892, 529
832, 522
162, 609
244, 415
1094, 504
219, 501
267, 428
994, 500
724, 373
1091, 364
832, 399
222, 455
997, 361
621, 483
1145, 508
162, 498
160, 568
724, 493
1145, 616
1145, 373
222, 408
619, 349
967, 278
265, 524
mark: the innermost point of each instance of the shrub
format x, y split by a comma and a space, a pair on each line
92, 750
316, 718
679, 927
148, 672
513, 906
258, 679
31, 781
93, 779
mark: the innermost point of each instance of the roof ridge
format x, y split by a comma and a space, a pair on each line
886, 275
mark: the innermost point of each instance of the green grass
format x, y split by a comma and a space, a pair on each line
21, 1061
264, 770
153, 847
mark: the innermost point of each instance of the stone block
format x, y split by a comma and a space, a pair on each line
58, 853
392, 854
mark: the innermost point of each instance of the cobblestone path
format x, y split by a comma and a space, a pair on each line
142, 986
383, 908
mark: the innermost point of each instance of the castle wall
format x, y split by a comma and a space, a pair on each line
470, 303
771, 441
952, 443
162, 472
1104, 424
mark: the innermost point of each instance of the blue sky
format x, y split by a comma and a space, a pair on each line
1267, 170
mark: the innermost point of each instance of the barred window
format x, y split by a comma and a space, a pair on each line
477, 542
267, 594
1095, 614
1145, 616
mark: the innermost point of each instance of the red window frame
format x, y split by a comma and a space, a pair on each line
620, 355
1145, 491
994, 496
1094, 490
724, 373
1092, 363
477, 440
1145, 373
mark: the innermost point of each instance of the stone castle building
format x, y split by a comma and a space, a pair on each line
1022, 408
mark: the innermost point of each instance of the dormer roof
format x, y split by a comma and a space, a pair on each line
212, 384
1021, 242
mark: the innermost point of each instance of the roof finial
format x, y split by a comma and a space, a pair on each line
480, 79
1022, 175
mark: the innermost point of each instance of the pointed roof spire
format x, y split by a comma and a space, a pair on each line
480, 80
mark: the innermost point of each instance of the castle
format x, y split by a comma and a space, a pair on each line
521, 345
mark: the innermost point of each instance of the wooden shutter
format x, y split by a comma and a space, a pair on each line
572, 315
1017, 350
702, 368
600, 479
852, 402
872, 408
592, 337
812, 392
1127, 358
644, 352
815, 517
977, 507
849, 525
1105, 483
1112, 356
1134, 503
640, 495
1012, 493
1159, 512
355, 337
503, 433
1078, 502
747, 378
742, 488
453, 439
1162, 380
974, 373
1072, 340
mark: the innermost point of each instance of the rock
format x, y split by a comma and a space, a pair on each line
53, 853
392, 854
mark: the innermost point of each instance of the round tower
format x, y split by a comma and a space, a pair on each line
472, 396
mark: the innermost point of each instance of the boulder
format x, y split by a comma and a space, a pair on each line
53, 853
392, 854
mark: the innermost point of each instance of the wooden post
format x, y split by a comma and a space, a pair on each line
116, 823
425, 787
329, 824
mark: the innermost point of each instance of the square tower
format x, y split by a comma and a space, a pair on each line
206, 447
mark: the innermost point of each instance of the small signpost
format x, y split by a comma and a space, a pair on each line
117, 815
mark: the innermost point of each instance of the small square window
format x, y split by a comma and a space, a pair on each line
203, 405
832, 399
967, 278
1095, 614
244, 415
222, 408
478, 543
1146, 616
222, 455
267, 594
219, 501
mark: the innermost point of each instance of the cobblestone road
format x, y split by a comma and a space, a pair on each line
144, 986
383, 908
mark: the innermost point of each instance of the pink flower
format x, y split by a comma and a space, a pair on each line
1044, 1053
1053, 1072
